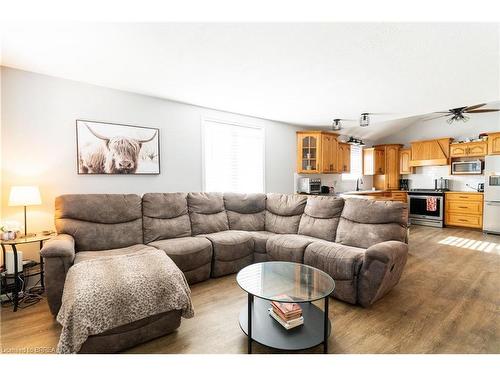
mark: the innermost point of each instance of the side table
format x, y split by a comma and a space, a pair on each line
40, 238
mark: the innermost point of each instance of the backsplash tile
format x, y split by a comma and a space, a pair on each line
424, 177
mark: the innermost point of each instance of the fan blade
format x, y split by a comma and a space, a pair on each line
483, 110
433, 118
442, 112
467, 109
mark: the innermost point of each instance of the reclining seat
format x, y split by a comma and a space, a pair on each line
167, 227
246, 212
370, 252
232, 250
283, 214
90, 226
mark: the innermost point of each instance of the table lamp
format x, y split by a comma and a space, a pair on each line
24, 196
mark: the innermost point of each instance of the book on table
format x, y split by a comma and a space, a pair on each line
288, 314
286, 324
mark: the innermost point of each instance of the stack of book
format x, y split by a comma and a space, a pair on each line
288, 314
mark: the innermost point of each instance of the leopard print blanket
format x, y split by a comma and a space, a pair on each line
101, 294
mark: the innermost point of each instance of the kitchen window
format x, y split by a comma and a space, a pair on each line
356, 164
233, 157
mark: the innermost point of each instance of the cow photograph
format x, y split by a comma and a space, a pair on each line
106, 148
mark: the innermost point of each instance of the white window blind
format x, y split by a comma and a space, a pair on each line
233, 157
356, 164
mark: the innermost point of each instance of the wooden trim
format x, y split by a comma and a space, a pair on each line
421, 163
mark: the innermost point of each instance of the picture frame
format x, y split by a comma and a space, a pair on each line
106, 148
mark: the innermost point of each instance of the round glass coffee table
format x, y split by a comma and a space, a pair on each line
303, 285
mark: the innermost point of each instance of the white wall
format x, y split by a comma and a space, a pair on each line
39, 141
439, 128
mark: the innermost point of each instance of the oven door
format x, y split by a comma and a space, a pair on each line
418, 207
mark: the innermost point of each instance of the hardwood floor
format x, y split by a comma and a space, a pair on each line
448, 301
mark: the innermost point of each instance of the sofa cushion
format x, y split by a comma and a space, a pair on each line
260, 239
206, 212
321, 217
100, 221
90, 255
245, 211
230, 244
283, 212
165, 215
232, 251
188, 253
366, 222
288, 247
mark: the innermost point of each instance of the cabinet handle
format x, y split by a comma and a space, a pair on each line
463, 207
461, 196
462, 220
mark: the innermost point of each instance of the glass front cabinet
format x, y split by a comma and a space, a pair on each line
317, 152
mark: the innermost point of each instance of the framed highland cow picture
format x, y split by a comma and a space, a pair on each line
107, 148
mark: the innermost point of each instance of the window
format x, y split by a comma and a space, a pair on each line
233, 157
356, 163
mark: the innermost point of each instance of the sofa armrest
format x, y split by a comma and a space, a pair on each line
382, 267
62, 245
58, 254
386, 252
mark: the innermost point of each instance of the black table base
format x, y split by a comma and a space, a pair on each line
267, 331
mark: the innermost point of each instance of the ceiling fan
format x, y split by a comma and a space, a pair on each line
459, 114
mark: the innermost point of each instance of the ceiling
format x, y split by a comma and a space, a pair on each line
305, 74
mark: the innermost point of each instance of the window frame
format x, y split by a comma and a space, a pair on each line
205, 119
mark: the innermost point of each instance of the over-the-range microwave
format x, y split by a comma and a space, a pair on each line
467, 167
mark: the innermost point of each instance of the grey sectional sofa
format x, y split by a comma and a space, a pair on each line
360, 243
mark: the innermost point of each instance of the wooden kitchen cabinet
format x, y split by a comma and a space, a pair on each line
392, 166
379, 160
308, 151
464, 209
494, 143
469, 149
388, 167
404, 161
317, 152
430, 152
344, 157
328, 162
374, 161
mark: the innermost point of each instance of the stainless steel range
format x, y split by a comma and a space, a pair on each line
426, 207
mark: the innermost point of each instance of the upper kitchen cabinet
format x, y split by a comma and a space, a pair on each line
430, 152
329, 153
494, 143
469, 149
404, 161
344, 157
389, 178
316, 152
374, 161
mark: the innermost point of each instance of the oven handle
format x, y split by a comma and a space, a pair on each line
426, 196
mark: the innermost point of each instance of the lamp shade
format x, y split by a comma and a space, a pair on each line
24, 196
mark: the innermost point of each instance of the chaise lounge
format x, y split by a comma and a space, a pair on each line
360, 243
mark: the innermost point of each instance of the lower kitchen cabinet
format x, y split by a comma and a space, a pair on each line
464, 209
